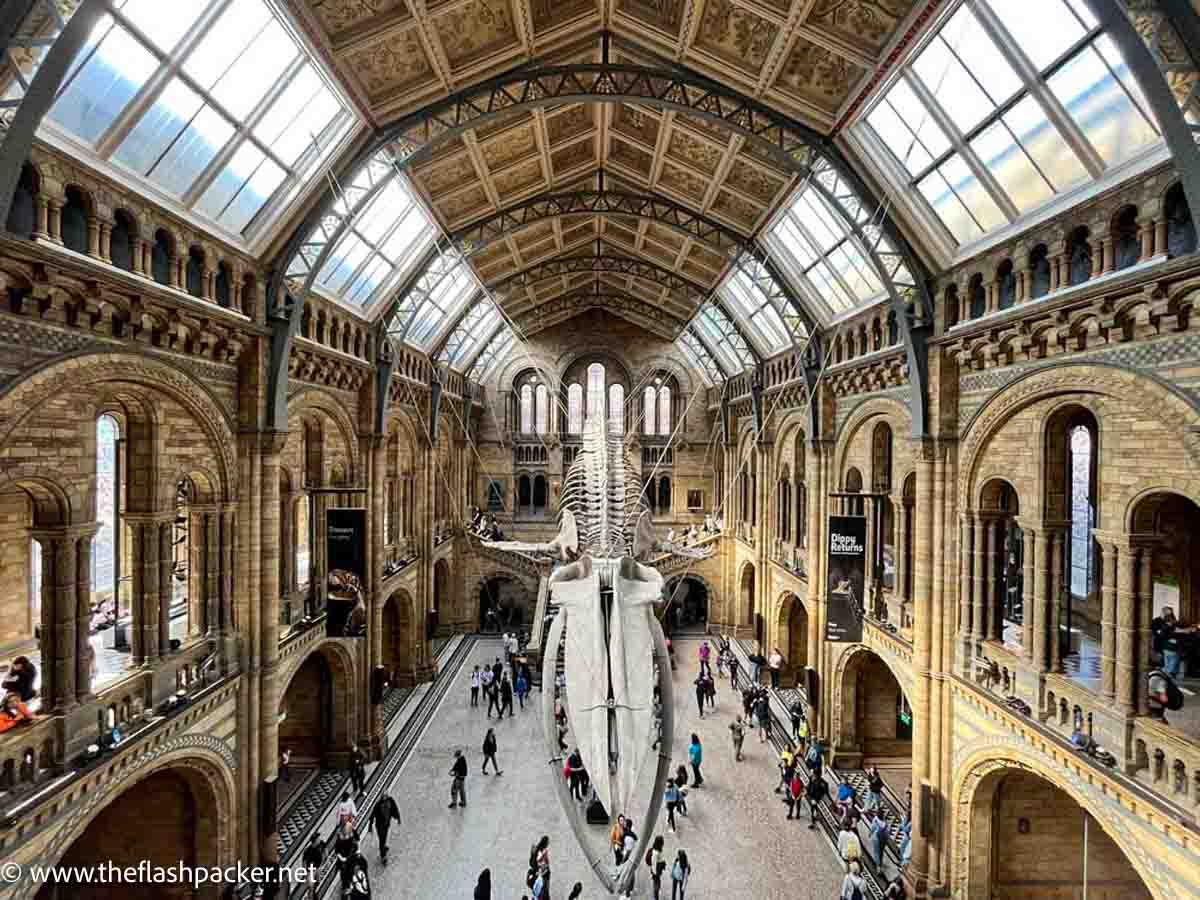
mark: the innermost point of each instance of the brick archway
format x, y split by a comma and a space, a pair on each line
329, 670
862, 724
792, 623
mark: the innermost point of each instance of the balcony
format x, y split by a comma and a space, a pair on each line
791, 557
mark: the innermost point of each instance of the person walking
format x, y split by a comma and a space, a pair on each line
700, 692
733, 671
705, 653
671, 798
681, 871
877, 838
506, 696
539, 860
522, 687
616, 837
347, 809
874, 789
475, 693
794, 795
775, 664
458, 781
853, 885
360, 879
493, 697
848, 844
696, 756
681, 782
345, 849
656, 864
381, 821
796, 713
313, 859
489, 753
285, 764
358, 770
787, 765
762, 712
483, 887
738, 731
710, 691
815, 793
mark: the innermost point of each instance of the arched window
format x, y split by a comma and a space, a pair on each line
595, 394
160, 257
104, 544
221, 288
542, 401
664, 494
1181, 227
526, 409
664, 410
1079, 254
575, 409
194, 273
524, 492
22, 215
35, 582
616, 408
1039, 272
1083, 514
1126, 246
978, 296
649, 410
1006, 285
73, 221
303, 543
539, 492
881, 458
120, 242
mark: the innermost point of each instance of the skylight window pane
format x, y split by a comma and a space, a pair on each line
1044, 36
895, 134
368, 280
285, 115
244, 162
973, 46
1005, 159
1101, 108
769, 328
208, 132
948, 207
163, 21
1044, 144
162, 123
105, 84
256, 70
389, 204
250, 199
972, 193
409, 233
918, 119
952, 86
794, 242
232, 33
342, 262
826, 231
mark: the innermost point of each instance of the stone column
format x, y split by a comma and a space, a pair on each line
42, 210
93, 237
140, 250
1097, 258
377, 477
1145, 235
922, 657
143, 553
815, 542
1160, 236
1106, 246
212, 570
83, 611
900, 537
1143, 611
59, 618
166, 582
1125, 633
1058, 558
979, 594
996, 601
1040, 607
55, 222
966, 583
1055, 272
268, 736
1028, 576
106, 241
1108, 619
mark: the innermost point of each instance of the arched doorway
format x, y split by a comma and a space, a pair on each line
687, 605
754, 618
441, 596
876, 719
509, 601
314, 709
792, 639
1031, 840
170, 817
398, 638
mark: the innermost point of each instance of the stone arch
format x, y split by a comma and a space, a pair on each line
307, 398
989, 760
844, 706
400, 630
77, 371
749, 606
894, 412
341, 668
486, 582
792, 623
205, 761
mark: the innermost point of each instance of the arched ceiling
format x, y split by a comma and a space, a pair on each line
715, 189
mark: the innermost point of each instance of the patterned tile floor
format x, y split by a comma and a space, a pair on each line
740, 844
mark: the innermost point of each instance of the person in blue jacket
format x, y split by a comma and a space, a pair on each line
696, 756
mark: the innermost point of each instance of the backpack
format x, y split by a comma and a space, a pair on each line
1174, 694
649, 857
856, 894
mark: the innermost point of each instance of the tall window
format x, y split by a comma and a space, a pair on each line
575, 409
1003, 110
303, 546
35, 583
616, 409
649, 410
104, 567
527, 409
224, 112
595, 395
664, 410
542, 402
1082, 511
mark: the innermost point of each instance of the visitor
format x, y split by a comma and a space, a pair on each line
705, 652
14, 712
539, 860
345, 849
475, 688
1162, 694
874, 789
701, 690
285, 764
522, 687
757, 661
493, 694
848, 844
489, 753
1166, 630
506, 696
877, 837
815, 793
733, 671
20, 679
906, 839
845, 804
347, 810
312, 859
656, 864
576, 891
775, 664
738, 730
710, 691
504, 643
358, 770
681, 871
853, 885
671, 798
795, 793
483, 887
896, 890
799, 723
616, 838
787, 765
762, 712
381, 821
681, 782
696, 756
574, 770
458, 781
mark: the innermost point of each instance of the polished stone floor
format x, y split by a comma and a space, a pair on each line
737, 837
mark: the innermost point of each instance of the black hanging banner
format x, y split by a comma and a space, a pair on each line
346, 557
847, 571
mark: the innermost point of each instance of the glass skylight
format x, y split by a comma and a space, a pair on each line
473, 331
495, 350
694, 349
445, 303
723, 339
211, 102
755, 311
1004, 109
